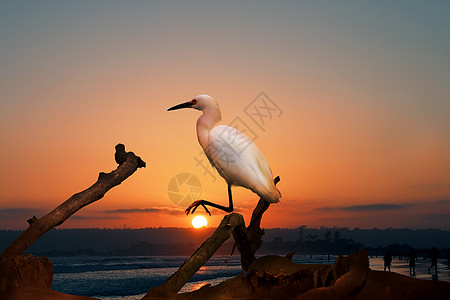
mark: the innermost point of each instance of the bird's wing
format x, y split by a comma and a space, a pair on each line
239, 161
222, 151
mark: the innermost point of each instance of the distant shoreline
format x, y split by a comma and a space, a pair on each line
184, 241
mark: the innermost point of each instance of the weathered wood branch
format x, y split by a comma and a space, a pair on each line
128, 164
198, 259
276, 277
248, 240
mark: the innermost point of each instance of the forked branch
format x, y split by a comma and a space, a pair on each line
248, 241
128, 164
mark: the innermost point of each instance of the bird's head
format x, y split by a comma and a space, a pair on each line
200, 102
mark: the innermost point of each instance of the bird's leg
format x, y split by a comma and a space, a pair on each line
203, 203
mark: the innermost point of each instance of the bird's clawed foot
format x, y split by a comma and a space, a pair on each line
194, 206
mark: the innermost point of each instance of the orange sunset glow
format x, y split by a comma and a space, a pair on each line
350, 106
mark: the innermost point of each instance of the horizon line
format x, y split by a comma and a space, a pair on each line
203, 228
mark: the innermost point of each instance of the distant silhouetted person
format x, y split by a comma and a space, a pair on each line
434, 257
400, 255
387, 261
412, 258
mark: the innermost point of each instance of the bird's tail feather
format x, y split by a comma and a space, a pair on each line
273, 195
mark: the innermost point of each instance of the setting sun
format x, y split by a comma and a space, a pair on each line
199, 221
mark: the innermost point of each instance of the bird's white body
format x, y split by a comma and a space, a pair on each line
235, 156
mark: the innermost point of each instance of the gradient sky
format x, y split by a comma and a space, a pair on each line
362, 138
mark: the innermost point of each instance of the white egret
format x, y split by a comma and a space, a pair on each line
235, 156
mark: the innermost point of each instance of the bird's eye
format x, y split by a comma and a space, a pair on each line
193, 101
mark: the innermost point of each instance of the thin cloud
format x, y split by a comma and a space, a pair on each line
158, 210
99, 217
443, 201
443, 216
431, 186
365, 207
14, 213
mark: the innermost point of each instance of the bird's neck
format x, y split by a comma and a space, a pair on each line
205, 123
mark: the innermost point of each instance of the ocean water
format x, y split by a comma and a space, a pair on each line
130, 277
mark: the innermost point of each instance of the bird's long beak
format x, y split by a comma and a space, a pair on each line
182, 105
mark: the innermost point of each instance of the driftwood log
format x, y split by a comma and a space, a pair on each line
248, 241
128, 164
198, 259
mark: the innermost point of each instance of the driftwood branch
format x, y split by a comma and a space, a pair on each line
247, 239
276, 277
128, 164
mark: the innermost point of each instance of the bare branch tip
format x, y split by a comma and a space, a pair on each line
121, 155
290, 255
276, 180
141, 163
